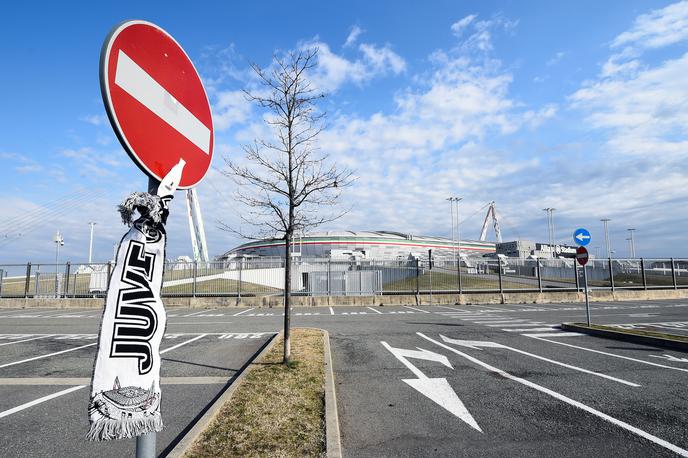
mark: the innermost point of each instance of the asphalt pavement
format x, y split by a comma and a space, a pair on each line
441, 380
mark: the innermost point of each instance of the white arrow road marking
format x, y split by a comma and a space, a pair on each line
537, 336
141, 86
561, 397
671, 358
477, 344
437, 389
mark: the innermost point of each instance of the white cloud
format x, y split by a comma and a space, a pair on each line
96, 120
656, 29
230, 108
334, 70
356, 31
556, 58
459, 26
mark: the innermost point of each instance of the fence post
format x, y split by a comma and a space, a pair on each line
642, 268
66, 279
575, 273
241, 264
37, 281
611, 273
329, 277
2, 275
417, 277
195, 275
537, 269
458, 268
499, 271
28, 279
673, 274
109, 273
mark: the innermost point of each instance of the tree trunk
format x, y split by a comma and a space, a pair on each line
287, 295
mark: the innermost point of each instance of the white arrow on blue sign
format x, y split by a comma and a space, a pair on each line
581, 236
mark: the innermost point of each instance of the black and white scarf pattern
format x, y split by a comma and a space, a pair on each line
125, 390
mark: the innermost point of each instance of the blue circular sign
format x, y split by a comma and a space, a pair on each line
581, 236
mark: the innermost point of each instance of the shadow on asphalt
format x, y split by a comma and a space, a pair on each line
197, 364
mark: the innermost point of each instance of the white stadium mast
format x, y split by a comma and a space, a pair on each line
200, 248
495, 222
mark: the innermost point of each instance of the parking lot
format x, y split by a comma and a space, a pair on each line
442, 380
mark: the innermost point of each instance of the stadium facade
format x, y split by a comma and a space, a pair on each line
376, 245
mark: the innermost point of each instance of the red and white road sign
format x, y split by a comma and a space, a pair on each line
582, 255
156, 101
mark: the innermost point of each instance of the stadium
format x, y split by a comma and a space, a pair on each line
374, 245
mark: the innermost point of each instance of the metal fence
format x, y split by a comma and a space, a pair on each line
322, 277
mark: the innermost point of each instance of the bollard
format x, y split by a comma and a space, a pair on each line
539, 277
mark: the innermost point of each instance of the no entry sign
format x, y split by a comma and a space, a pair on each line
582, 255
156, 101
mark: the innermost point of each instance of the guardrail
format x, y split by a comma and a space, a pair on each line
321, 277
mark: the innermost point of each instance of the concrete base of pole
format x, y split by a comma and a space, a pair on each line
145, 446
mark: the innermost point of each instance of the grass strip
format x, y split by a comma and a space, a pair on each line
278, 410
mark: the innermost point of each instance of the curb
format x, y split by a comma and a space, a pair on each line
627, 337
187, 441
332, 437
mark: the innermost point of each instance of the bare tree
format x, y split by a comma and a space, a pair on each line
285, 180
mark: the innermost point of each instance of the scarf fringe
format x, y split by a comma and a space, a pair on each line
105, 429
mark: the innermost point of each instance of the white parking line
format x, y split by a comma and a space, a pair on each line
198, 313
541, 337
40, 400
182, 344
247, 310
25, 340
561, 397
47, 356
550, 329
502, 322
532, 323
376, 311
554, 334
413, 308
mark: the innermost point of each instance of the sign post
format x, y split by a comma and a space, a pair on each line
159, 110
582, 258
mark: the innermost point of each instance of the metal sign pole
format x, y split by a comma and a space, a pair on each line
145, 443
587, 302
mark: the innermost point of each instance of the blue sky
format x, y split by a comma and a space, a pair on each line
578, 106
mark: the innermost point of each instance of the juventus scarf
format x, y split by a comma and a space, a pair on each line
125, 391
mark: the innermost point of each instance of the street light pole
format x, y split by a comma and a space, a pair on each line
59, 241
451, 204
632, 240
90, 243
606, 237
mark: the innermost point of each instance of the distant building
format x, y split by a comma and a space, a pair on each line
526, 248
377, 245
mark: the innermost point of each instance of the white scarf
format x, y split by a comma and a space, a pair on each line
125, 389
